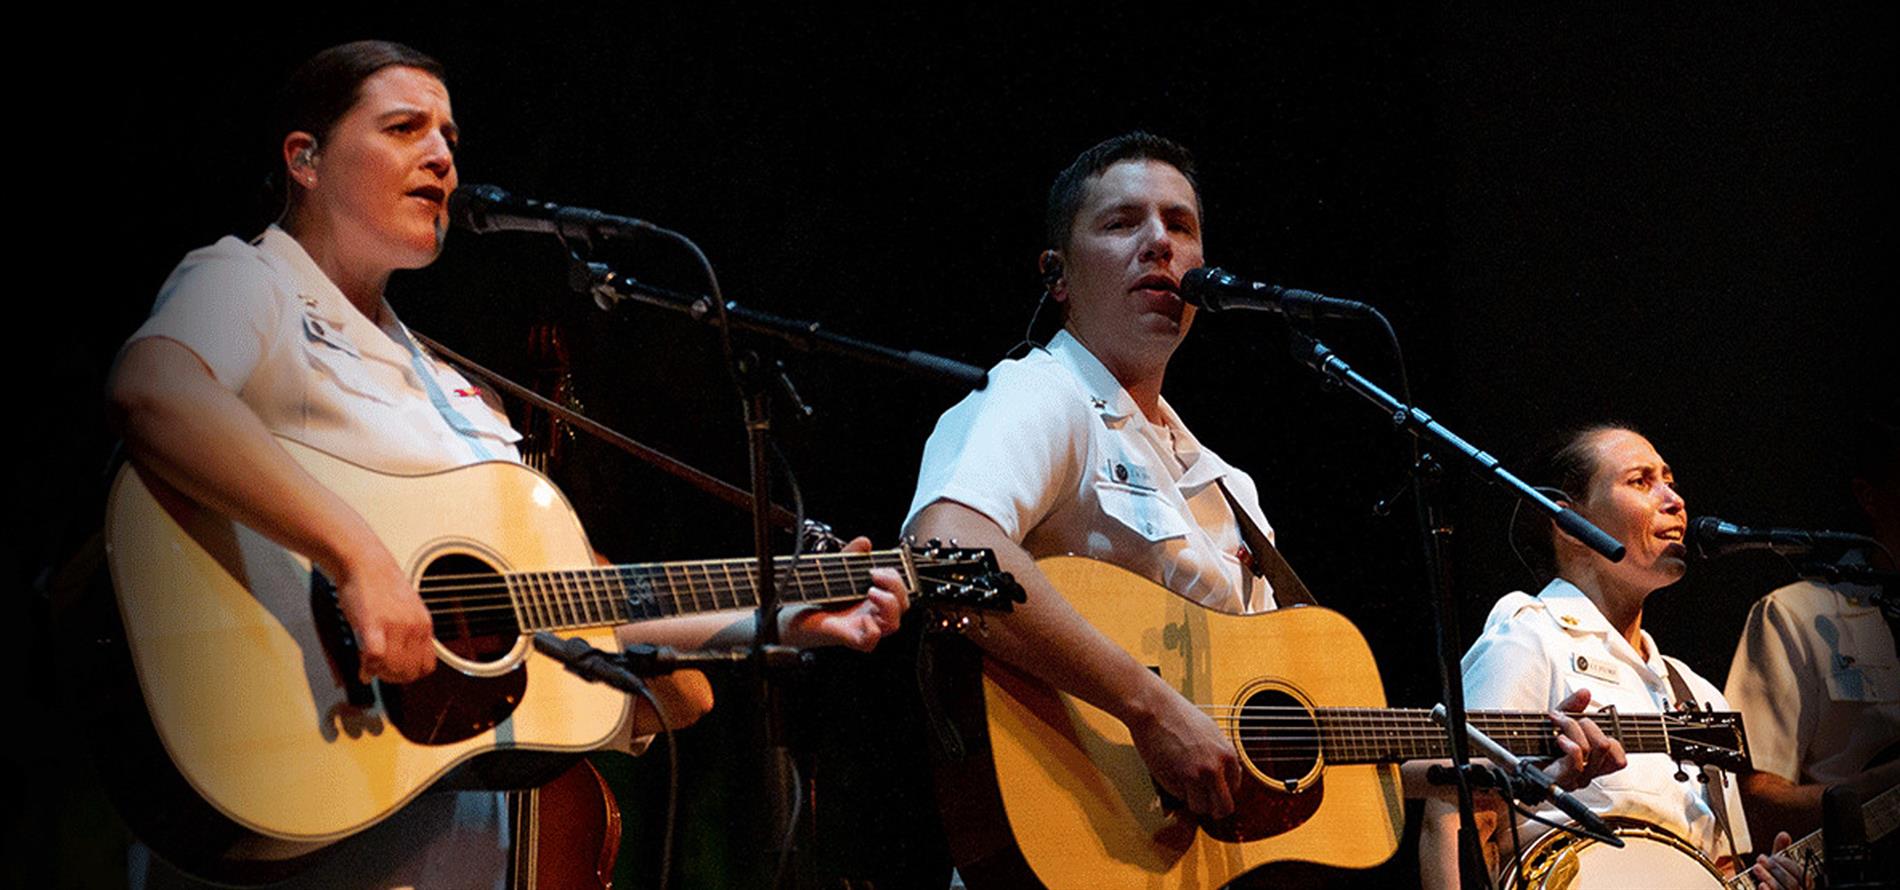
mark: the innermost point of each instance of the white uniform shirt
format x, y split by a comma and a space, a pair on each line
1535, 651
1057, 454
275, 330
1818, 683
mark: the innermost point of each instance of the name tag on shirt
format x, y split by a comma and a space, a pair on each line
1127, 472
1600, 668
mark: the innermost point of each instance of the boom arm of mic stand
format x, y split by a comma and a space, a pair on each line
809, 336
1324, 360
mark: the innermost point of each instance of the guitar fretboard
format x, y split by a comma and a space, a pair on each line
594, 597
1389, 735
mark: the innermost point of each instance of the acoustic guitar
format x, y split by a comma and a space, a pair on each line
248, 672
1059, 797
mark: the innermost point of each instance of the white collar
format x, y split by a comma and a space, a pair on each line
1573, 611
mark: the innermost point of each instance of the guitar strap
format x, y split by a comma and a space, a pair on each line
1716, 787
1267, 562
698, 478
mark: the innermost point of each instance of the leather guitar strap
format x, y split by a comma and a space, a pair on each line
700, 479
1717, 788
1267, 563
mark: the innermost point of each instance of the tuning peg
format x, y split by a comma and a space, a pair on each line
1681, 775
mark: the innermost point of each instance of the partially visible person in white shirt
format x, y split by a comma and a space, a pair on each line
1815, 674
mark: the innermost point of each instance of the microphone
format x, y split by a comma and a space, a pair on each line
1533, 784
486, 208
1216, 290
1844, 838
1710, 537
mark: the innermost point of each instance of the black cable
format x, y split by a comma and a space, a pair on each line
1029, 330
791, 828
1510, 531
672, 785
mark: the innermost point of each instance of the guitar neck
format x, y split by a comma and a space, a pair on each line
1391, 735
607, 595
1880, 816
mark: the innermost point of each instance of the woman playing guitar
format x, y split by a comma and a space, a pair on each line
1585, 630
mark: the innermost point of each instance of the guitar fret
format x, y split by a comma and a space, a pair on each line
563, 599
537, 606
640, 596
703, 584
657, 583
571, 582
797, 576
824, 575
749, 573
513, 584
613, 583
551, 613
604, 596
590, 597
682, 586
736, 584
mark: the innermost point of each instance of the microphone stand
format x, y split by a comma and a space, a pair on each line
609, 287
1435, 536
755, 379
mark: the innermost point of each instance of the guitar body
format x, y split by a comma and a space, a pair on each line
248, 674
567, 833
1081, 807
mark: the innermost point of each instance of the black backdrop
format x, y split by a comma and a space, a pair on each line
1672, 218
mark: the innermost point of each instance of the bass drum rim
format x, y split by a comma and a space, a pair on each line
1550, 862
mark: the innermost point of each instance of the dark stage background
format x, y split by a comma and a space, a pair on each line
1681, 219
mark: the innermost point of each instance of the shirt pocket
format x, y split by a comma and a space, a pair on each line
1142, 511
337, 360
1858, 674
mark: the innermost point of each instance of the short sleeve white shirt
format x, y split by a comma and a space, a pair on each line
1056, 453
275, 330
1818, 683
1535, 651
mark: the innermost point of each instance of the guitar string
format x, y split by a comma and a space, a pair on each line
565, 582
559, 582
597, 596
667, 570
581, 601
891, 558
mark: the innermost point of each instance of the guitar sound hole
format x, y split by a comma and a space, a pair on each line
474, 617
1278, 735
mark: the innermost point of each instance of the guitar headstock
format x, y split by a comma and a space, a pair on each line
962, 578
1708, 738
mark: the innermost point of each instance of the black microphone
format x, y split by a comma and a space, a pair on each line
1710, 537
1844, 839
1216, 291
1532, 785
486, 208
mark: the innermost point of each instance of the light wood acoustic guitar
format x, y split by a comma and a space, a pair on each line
1060, 798
248, 674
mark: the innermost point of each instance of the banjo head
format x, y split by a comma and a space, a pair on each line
1652, 857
